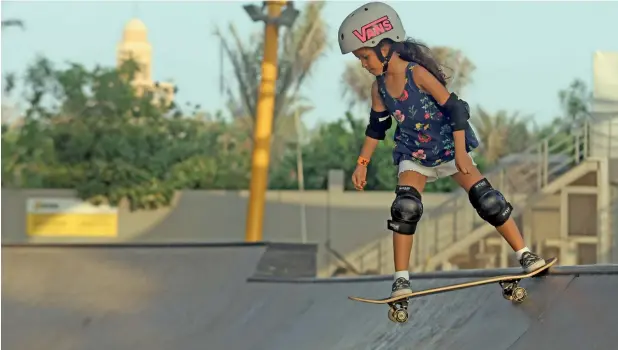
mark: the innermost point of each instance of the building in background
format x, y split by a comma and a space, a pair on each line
134, 43
605, 105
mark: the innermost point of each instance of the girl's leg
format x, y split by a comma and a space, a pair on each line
508, 229
402, 243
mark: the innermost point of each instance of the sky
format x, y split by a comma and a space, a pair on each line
524, 51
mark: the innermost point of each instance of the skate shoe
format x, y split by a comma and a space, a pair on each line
530, 262
400, 286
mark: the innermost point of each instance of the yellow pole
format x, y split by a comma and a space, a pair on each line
263, 127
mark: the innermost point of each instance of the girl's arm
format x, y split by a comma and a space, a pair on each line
379, 122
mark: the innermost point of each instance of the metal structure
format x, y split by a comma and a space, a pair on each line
276, 16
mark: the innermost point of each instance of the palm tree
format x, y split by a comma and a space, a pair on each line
356, 84
301, 47
501, 134
356, 81
456, 66
575, 102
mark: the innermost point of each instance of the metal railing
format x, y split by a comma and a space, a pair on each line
520, 177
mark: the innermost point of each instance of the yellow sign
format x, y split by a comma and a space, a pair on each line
62, 217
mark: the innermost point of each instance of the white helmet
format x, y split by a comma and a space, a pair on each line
368, 25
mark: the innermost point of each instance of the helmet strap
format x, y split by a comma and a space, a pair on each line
384, 60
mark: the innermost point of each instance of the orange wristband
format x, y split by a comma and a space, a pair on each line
362, 161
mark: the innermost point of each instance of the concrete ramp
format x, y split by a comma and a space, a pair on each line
563, 311
241, 297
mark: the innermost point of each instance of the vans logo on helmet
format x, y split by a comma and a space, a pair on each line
373, 29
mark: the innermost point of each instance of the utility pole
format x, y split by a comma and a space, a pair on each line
275, 17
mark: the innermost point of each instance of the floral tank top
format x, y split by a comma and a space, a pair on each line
423, 135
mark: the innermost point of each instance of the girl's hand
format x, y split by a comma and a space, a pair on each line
463, 162
359, 177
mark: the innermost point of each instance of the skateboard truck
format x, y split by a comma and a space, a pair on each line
512, 291
398, 311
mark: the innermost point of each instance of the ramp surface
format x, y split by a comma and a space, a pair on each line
178, 298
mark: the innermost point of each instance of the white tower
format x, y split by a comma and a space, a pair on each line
134, 44
604, 143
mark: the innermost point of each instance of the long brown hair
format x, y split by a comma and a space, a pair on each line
415, 51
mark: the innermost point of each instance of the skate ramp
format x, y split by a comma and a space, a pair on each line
232, 297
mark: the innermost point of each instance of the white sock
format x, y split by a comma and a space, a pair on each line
521, 252
405, 274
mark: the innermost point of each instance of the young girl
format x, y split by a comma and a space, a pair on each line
433, 138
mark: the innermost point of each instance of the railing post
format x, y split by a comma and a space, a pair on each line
609, 140
380, 257
539, 172
545, 162
426, 244
577, 155
415, 251
501, 181
435, 237
455, 220
586, 138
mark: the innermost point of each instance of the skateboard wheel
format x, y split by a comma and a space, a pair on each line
507, 295
519, 294
400, 316
391, 315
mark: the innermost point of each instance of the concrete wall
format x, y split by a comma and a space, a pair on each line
542, 221
348, 219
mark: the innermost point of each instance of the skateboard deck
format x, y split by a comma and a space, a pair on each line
509, 284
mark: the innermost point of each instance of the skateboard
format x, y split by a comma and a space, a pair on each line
398, 306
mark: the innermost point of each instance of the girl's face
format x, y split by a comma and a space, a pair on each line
369, 60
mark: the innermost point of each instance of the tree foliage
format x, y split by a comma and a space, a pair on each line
89, 130
501, 134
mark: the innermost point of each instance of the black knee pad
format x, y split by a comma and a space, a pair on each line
406, 210
489, 203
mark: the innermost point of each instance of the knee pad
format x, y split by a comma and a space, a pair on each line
489, 203
406, 210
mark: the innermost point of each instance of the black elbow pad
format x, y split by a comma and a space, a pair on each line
458, 112
379, 123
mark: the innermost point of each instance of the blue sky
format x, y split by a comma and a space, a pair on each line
524, 51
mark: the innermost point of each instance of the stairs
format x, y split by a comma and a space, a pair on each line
523, 178
446, 248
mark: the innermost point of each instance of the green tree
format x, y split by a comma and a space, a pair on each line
575, 102
501, 134
335, 145
90, 130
